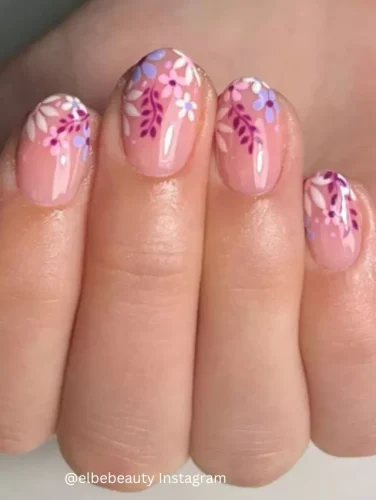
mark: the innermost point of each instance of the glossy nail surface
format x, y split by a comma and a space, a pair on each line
332, 220
248, 136
161, 111
53, 150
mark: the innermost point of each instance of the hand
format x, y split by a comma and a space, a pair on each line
129, 377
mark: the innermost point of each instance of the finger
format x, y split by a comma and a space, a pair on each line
127, 399
250, 412
40, 265
338, 315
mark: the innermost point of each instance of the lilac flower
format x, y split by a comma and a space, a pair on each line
145, 66
83, 141
267, 100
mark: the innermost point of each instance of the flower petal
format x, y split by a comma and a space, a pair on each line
258, 104
157, 55
131, 110
179, 63
269, 115
164, 79
191, 115
182, 113
149, 69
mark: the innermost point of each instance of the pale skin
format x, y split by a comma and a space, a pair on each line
100, 336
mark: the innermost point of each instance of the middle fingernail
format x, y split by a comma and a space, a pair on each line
248, 136
161, 111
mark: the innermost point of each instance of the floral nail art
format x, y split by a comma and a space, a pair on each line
331, 216
161, 99
60, 122
53, 150
247, 135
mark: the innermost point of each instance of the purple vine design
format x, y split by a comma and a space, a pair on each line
243, 123
71, 123
336, 198
151, 112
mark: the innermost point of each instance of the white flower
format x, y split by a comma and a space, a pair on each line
38, 118
73, 103
187, 107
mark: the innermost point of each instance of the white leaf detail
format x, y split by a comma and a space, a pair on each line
51, 99
30, 129
307, 205
352, 195
127, 128
41, 122
133, 95
179, 63
317, 198
222, 112
131, 110
226, 129
221, 143
48, 111
188, 75
320, 181
66, 106
168, 139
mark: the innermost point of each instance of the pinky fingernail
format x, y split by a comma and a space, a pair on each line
333, 221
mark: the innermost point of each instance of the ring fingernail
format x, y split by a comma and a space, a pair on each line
161, 110
332, 220
53, 150
248, 137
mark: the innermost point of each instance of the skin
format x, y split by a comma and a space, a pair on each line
258, 424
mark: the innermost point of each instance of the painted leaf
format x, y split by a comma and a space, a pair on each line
307, 205
133, 95
222, 112
30, 129
41, 122
226, 129
221, 143
127, 128
188, 75
131, 110
49, 111
179, 63
317, 197
53, 98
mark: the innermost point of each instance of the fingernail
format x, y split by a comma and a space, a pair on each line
53, 150
248, 137
161, 110
332, 220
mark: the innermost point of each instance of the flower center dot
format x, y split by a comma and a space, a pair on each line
172, 83
270, 103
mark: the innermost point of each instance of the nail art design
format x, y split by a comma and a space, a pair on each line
160, 112
54, 147
332, 219
247, 136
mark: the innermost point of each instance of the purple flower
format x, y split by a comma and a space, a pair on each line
83, 141
267, 100
145, 67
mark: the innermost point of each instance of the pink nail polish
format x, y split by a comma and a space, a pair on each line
332, 220
161, 111
248, 137
53, 150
